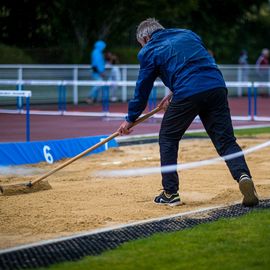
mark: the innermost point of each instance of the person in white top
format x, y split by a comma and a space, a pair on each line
115, 75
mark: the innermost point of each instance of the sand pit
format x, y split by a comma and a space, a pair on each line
81, 201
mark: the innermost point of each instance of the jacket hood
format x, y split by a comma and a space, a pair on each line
100, 45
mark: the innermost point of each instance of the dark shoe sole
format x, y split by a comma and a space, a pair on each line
247, 188
170, 204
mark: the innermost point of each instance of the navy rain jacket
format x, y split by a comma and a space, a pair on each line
180, 59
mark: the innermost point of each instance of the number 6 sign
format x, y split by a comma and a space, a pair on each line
48, 156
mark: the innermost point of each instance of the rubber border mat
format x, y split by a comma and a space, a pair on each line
77, 247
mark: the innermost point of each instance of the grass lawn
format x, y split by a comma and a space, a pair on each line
236, 243
237, 132
248, 132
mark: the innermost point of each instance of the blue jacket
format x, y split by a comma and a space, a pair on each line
182, 62
97, 58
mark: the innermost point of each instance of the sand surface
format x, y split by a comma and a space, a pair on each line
80, 201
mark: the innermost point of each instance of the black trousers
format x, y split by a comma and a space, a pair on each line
213, 110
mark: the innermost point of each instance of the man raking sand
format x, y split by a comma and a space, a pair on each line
180, 59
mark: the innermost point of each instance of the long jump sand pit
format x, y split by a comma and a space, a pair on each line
81, 201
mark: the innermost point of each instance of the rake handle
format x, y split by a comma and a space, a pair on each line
92, 148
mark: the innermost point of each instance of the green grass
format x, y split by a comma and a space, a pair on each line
236, 243
238, 132
249, 132
252, 131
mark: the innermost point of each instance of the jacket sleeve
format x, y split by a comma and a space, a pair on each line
144, 85
98, 62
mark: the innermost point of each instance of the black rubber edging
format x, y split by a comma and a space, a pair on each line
77, 247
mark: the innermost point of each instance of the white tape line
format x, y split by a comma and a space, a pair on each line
17, 93
185, 166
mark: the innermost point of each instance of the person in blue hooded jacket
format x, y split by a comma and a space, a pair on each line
98, 69
179, 58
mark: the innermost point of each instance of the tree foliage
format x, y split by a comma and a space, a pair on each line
72, 26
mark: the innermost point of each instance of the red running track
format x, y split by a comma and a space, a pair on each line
45, 127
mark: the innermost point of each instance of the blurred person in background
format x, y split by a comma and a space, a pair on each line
181, 60
115, 76
262, 65
98, 69
243, 70
243, 62
243, 58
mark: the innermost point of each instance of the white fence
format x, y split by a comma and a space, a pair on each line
46, 80
251, 93
81, 73
20, 84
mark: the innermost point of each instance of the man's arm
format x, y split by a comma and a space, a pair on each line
125, 127
143, 89
144, 85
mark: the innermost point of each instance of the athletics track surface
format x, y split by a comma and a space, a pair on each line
45, 127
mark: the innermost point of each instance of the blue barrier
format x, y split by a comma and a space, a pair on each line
27, 100
249, 101
62, 99
105, 99
19, 153
19, 103
255, 101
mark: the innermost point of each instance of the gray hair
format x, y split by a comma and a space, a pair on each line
147, 27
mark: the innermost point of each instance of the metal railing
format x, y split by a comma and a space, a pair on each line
251, 89
235, 73
70, 83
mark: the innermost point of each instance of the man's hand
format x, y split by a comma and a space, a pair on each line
124, 128
164, 103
